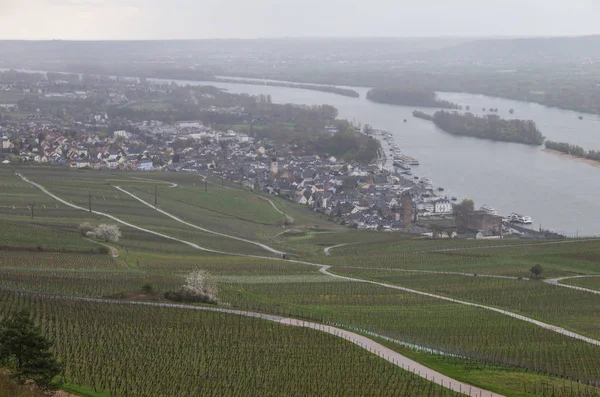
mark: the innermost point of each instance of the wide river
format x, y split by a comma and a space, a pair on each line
558, 193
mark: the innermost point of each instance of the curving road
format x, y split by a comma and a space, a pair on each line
557, 282
352, 337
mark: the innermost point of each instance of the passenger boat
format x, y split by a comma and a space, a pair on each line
489, 210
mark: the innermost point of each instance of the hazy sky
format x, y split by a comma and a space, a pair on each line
197, 19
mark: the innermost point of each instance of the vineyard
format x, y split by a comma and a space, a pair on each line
119, 350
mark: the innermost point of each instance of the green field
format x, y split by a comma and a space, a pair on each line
45, 256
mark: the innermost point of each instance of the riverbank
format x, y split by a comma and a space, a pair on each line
593, 163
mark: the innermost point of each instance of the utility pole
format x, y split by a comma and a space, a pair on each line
155, 196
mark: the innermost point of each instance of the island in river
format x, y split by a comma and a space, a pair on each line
408, 97
489, 127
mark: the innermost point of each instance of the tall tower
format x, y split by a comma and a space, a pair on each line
274, 167
407, 210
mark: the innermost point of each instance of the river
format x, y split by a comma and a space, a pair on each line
558, 193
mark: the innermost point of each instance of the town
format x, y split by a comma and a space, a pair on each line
98, 123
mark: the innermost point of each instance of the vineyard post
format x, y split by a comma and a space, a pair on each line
31, 205
155, 195
205, 185
90, 201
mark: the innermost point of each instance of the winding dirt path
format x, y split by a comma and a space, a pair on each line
263, 246
289, 218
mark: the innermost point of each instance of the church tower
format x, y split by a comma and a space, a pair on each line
274, 167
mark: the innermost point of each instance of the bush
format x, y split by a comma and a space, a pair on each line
108, 233
103, 250
85, 228
147, 288
199, 286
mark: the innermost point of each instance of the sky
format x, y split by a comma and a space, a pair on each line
203, 19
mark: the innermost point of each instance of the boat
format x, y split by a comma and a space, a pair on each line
489, 210
400, 164
407, 159
440, 189
454, 199
407, 172
416, 177
426, 183
518, 218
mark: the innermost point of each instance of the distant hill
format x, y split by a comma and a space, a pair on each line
555, 49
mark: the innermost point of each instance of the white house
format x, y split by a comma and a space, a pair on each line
442, 206
122, 134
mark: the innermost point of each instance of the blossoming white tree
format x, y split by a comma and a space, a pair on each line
200, 286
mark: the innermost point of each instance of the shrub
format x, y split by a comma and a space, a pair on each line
103, 250
199, 286
147, 288
85, 228
108, 233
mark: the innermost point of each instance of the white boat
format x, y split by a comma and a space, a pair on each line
489, 210
518, 218
426, 183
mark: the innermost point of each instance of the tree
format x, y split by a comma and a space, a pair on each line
200, 285
461, 210
26, 351
108, 233
536, 271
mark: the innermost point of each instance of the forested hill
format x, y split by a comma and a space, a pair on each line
488, 127
407, 97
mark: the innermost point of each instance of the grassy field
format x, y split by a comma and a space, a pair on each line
48, 255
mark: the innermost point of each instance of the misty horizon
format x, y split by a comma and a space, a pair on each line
101, 20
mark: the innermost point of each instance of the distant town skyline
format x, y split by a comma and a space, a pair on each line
187, 19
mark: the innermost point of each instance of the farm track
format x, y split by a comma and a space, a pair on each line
557, 282
436, 272
328, 249
289, 218
324, 269
263, 246
352, 337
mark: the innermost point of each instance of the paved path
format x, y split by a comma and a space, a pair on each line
436, 272
554, 328
557, 282
505, 246
263, 246
328, 249
357, 339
